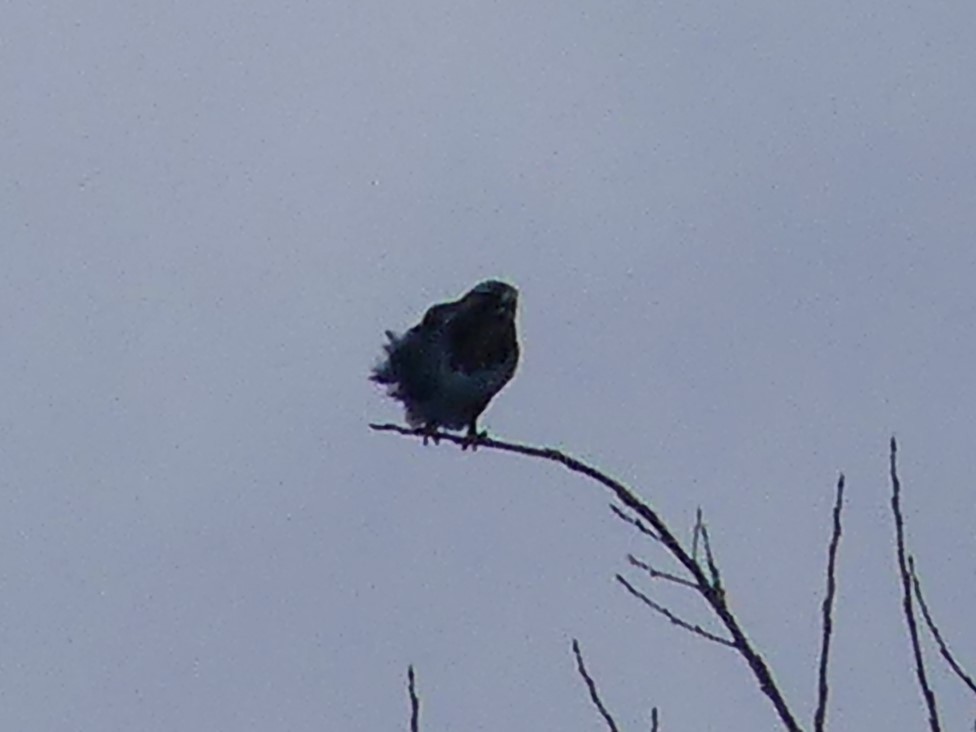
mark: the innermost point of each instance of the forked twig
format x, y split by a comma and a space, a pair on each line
906, 586
710, 559
828, 608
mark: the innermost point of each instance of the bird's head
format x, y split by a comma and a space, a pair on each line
498, 298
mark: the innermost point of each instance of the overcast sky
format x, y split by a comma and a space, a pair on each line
743, 237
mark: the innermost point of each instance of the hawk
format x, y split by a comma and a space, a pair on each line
448, 367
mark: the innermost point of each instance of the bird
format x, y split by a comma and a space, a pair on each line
447, 368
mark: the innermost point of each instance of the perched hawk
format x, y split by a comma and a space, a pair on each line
446, 369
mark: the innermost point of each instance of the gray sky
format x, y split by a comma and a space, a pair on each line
743, 238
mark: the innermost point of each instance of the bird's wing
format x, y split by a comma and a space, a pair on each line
414, 359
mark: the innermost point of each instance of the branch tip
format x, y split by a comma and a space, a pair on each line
591, 687
827, 623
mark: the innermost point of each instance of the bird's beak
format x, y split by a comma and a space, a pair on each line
508, 302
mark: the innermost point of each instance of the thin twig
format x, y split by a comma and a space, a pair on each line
414, 701
934, 630
828, 607
658, 574
696, 629
591, 685
906, 586
712, 566
694, 534
636, 522
715, 598
654, 719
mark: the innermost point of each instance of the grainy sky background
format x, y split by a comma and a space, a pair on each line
743, 234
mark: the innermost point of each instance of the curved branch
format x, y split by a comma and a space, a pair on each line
712, 595
936, 633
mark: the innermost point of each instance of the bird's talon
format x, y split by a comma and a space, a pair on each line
472, 439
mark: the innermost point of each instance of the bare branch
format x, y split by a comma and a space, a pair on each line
414, 701
933, 629
906, 583
696, 629
715, 598
591, 685
658, 574
654, 719
828, 607
634, 522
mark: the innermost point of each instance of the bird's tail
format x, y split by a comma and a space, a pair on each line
385, 372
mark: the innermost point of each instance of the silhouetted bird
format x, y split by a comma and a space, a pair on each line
446, 369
